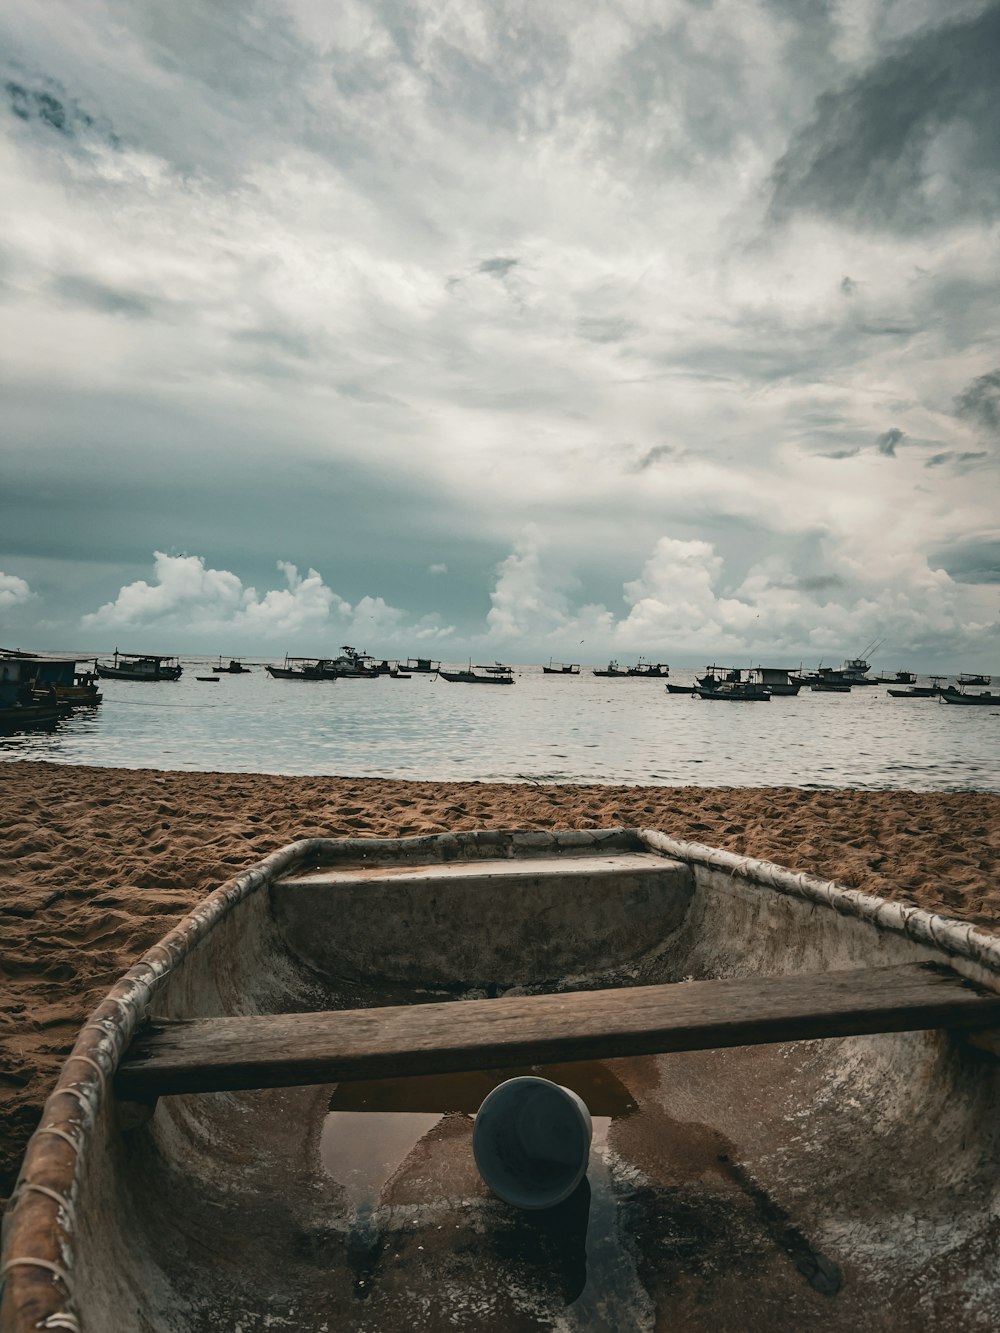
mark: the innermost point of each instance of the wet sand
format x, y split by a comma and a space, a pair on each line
97, 864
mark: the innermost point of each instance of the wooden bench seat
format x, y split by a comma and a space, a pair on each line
285, 1050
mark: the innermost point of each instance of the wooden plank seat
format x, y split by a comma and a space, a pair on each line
285, 1050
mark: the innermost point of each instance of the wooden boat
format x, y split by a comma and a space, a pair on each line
923, 691
681, 689
561, 668
495, 674
897, 678
612, 669
304, 668
422, 666
267, 1123
641, 671
974, 678
779, 680
830, 686
45, 676
208, 680
234, 667
650, 670
737, 691
140, 666
31, 717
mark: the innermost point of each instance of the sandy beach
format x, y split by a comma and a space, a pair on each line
98, 863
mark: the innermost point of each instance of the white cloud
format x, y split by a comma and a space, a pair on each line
13, 591
437, 569
189, 596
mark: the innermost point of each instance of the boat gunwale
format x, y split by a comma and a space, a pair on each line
36, 1282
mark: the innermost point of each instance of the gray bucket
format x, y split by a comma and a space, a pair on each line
531, 1142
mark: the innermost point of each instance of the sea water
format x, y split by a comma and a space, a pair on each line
544, 728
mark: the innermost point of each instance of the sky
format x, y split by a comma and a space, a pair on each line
501, 329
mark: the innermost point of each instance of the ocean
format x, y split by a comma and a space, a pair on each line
562, 729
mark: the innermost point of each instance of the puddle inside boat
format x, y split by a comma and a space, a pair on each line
393, 1144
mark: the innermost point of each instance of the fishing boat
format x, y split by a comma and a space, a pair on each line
494, 674
422, 666
387, 668
650, 670
46, 675
561, 668
737, 691
897, 678
974, 678
304, 668
985, 698
930, 691
234, 667
781, 681
612, 669
830, 686
140, 666
681, 689
268, 1122
31, 716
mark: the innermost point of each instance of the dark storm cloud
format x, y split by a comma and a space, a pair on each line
974, 561
651, 457
913, 142
889, 440
979, 402
955, 457
498, 267
47, 107
842, 453
809, 583
103, 298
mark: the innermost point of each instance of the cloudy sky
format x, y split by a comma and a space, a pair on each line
662, 327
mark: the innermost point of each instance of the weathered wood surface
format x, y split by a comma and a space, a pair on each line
283, 1050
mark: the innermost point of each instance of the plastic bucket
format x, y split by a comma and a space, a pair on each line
531, 1142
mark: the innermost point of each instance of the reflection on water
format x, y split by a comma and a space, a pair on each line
547, 728
382, 1133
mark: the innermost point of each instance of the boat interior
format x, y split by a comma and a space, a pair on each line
844, 1182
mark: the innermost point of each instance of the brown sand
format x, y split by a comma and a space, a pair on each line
98, 863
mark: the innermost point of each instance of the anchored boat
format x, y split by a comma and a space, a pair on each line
267, 1124
139, 666
494, 674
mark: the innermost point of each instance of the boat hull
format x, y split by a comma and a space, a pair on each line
768, 1181
165, 673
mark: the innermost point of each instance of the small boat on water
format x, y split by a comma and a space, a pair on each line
930, 691
897, 678
561, 668
304, 668
208, 680
984, 698
421, 666
974, 678
233, 668
737, 691
641, 671
350, 665
140, 666
830, 686
650, 670
268, 1121
495, 674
